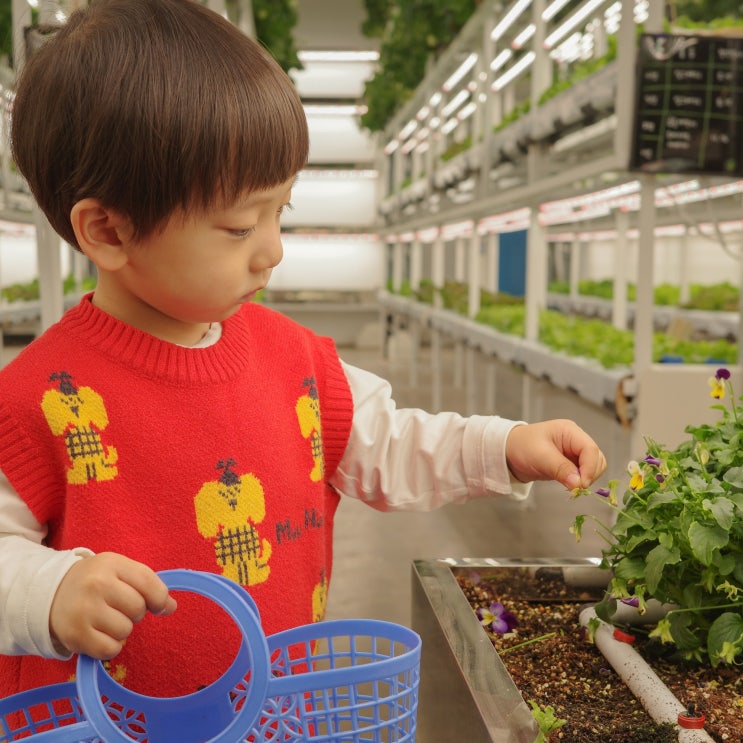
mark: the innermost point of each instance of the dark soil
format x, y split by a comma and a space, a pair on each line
565, 671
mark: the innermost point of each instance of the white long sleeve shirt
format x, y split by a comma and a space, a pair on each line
396, 459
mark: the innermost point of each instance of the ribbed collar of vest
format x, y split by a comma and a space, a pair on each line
135, 349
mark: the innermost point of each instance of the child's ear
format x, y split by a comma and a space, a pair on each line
101, 233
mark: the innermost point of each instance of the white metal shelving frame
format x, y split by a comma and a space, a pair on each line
559, 170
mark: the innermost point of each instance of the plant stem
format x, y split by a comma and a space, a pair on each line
527, 642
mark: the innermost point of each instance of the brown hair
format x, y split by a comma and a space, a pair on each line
151, 106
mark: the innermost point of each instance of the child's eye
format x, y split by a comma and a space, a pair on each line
242, 233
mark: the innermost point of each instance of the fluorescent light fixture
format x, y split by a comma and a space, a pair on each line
428, 235
580, 136
333, 110
517, 219
409, 146
423, 146
578, 17
340, 56
457, 229
524, 36
514, 71
467, 111
455, 103
435, 99
435, 122
501, 59
407, 130
423, 113
450, 125
553, 9
506, 22
460, 72
336, 174
391, 146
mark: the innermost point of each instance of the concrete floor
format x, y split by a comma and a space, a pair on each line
374, 551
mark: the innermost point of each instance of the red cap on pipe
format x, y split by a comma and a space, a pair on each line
691, 721
623, 636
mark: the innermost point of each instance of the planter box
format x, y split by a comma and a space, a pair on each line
585, 377
466, 693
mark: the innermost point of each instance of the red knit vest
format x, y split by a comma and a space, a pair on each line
212, 459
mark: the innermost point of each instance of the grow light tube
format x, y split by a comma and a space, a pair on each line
524, 36
553, 9
577, 17
501, 59
467, 111
460, 72
514, 71
455, 103
505, 23
407, 130
450, 125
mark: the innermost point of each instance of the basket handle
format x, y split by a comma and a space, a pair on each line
241, 608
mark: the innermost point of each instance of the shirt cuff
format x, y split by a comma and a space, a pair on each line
40, 590
485, 463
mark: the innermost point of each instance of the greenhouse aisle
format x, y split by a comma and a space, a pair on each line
374, 551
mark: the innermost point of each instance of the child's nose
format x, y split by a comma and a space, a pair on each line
269, 254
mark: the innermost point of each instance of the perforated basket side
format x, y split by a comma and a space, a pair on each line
50, 714
346, 680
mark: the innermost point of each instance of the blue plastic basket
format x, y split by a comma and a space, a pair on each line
341, 681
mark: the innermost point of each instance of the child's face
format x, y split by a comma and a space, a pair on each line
200, 267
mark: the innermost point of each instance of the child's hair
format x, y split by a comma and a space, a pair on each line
152, 106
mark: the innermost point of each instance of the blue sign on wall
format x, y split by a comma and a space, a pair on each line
512, 263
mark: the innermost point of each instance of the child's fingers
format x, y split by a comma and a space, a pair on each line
147, 585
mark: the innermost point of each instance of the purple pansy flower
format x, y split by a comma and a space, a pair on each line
652, 460
603, 492
722, 374
632, 601
497, 618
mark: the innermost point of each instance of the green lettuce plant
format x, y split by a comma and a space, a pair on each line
678, 536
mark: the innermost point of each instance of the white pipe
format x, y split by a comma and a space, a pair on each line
642, 681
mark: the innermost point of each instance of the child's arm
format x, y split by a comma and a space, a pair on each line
407, 459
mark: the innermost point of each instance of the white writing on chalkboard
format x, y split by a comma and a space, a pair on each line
689, 105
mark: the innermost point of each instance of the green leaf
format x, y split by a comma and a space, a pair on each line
660, 498
630, 568
725, 564
657, 559
704, 540
723, 510
738, 569
683, 637
726, 629
734, 477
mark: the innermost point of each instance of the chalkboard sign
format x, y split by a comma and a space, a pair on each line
689, 105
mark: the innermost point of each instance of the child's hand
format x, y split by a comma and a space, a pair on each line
554, 450
99, 601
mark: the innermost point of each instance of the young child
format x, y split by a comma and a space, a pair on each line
166, 421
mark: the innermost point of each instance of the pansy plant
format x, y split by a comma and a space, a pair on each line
497, 618
678, 535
